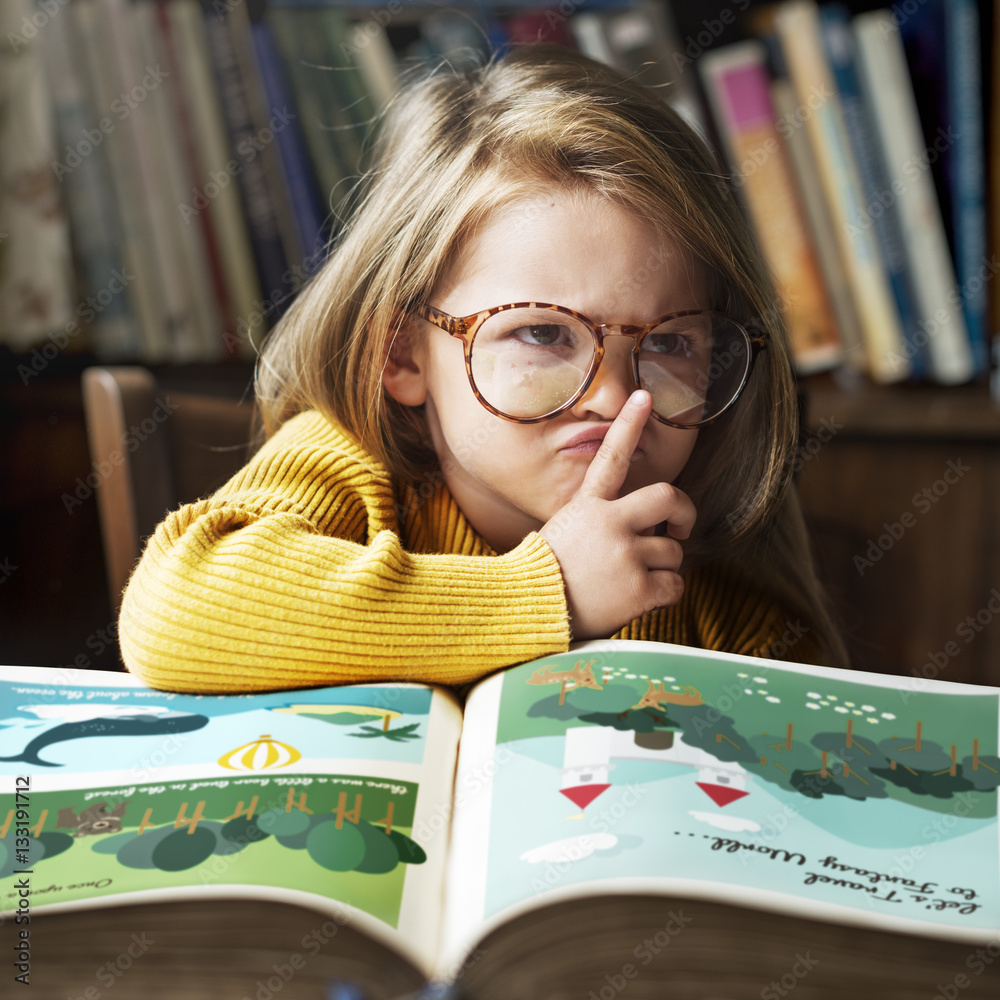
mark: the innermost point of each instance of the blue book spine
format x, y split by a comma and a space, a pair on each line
879, 198
262, 223
967, 169
299, 179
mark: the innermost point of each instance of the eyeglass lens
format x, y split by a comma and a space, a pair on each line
527, 363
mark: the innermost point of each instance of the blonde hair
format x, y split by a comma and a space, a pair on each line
456, 147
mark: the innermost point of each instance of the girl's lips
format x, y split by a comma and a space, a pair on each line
588, 441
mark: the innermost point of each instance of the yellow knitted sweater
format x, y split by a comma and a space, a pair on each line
310, 567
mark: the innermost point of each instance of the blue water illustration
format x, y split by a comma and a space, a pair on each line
662, 819
81, 729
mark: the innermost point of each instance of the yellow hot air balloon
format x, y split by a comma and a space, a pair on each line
263, 754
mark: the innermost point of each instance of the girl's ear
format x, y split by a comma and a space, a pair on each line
404, 371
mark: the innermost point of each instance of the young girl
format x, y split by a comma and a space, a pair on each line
538, 393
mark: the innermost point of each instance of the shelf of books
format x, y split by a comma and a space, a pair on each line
175, 169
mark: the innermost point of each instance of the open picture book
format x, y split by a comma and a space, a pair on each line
626, 816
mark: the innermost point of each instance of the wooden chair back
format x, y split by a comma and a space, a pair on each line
151, 451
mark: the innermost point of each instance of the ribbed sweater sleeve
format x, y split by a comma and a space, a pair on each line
295, 574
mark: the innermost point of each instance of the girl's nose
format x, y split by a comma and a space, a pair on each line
612, 385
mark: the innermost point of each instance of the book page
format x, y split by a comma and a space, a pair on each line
642, 767
112, 792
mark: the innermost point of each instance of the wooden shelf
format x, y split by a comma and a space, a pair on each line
904, 412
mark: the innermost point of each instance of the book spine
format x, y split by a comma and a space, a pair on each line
818, 219
881, 209
299, 179
139, 86
258, 207
216, 187
267, 126
218, 308
300, 44
82, 169
965, 100
885, 77
738, 87
35, 250
146, 288
183, 246
798, 28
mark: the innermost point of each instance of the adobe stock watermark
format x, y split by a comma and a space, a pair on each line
121, 107
966, 630
247, 150
86, 312
786, 124
108, 974
44, 11
922, 501
284, 972
643, 953
977, 962
781, 987
882, 201
131, 439
708, 33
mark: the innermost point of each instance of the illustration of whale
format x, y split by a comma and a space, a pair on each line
135, 725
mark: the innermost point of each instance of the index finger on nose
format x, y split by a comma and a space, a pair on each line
609, 468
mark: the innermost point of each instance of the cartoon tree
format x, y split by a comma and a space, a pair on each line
400, 735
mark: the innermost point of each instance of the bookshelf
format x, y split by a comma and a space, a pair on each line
239, 268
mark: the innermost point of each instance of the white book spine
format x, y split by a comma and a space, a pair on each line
145, 285
184, 242
885, 76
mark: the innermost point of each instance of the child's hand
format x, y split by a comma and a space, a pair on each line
614, 568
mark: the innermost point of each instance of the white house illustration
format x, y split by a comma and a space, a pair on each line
589, 752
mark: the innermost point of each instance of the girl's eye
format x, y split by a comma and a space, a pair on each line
675, 344
543, 335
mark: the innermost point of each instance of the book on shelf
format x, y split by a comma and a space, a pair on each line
297, 177
881, 207
818, 219
886, 81
798, 29
642, 39
259, 209
145, 289
167, 137
623, 814
215, 181
738, 87
35, 251
80, 166
993, 189
941, 40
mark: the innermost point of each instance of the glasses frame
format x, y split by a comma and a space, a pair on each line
466, 327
